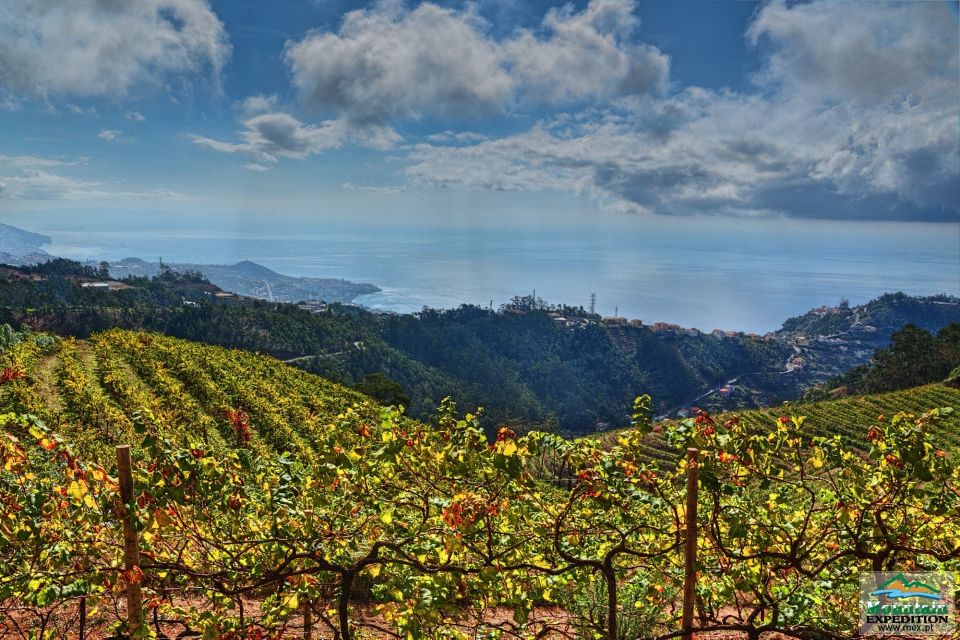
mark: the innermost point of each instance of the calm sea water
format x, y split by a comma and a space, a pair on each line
746, 275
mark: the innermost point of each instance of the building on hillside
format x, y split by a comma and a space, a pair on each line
108, 285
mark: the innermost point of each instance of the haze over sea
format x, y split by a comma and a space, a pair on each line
705, 272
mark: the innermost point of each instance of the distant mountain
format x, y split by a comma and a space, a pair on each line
21, 247
250, 279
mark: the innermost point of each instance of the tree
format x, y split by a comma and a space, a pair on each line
384, 390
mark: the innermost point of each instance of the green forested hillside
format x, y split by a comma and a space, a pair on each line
914, 357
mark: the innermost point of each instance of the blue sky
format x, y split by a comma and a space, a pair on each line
506, 109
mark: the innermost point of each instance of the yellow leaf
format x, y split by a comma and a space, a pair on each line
509, 448
374, 570
77, 489
386, 517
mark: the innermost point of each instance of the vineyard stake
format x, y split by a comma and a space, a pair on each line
83, 617
690, 550
131, 546
307, 619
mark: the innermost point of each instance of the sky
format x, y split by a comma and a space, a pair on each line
515, 111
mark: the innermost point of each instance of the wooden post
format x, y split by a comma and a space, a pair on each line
690, 551
83, 617
131, 546
307, 619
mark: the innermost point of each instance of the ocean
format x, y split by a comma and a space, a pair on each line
705, 273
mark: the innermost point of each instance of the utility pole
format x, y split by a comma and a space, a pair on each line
593, 303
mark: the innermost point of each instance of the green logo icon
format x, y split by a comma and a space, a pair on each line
900, 587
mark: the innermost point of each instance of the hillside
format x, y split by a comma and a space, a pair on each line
914, 357
528, 364
92, 390
254, 280
184, 389
849, 417
21, 247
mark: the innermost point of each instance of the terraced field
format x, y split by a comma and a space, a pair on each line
850, 417
94, 391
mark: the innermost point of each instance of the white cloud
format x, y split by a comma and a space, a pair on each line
109, 134
851, 51
36, 179
259, 168
808, 142
255, 105
31, 162
82, 111
384, 190
587, 54
453, 137
390, 63
37, 184
271, 136
104, 47
134, 116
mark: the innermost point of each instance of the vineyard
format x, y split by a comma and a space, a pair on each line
270, 503
844, 417
91, 391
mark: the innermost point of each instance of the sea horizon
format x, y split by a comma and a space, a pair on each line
706, 273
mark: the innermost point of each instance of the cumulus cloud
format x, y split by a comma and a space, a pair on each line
267, 137
109, 134
104, 47
390, 63
585, 55
848, 51
134, 116
271, 136
809, 142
